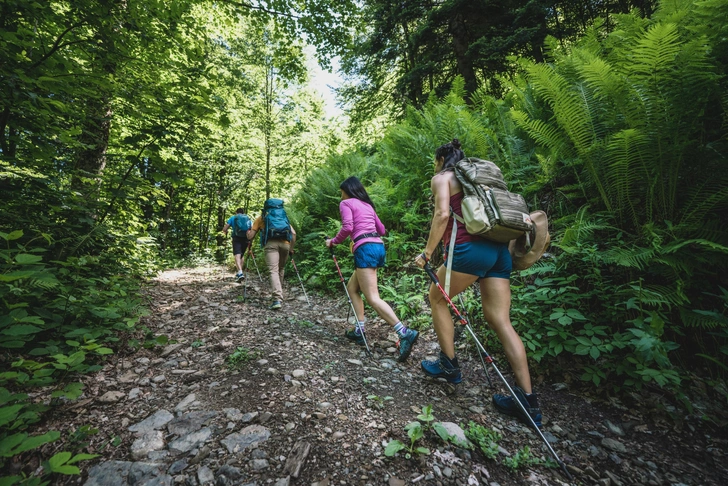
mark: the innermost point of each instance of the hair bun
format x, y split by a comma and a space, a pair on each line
456, 143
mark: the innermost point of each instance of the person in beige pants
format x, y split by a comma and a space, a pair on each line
276, 253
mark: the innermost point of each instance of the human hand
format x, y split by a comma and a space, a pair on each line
328, 243
421, 260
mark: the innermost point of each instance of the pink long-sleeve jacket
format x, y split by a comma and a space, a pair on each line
358, 218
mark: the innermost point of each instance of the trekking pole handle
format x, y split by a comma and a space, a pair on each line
331, 248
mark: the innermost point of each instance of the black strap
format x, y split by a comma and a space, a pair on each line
366, 235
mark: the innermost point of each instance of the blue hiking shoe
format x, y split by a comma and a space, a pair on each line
275, 305
352, 336
240, 276
406, 343
443, 367
507, 404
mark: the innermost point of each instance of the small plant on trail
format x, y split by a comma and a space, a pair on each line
378, 401
306, 324
523, 458
484, 438
415, 432
240, 356
197, 343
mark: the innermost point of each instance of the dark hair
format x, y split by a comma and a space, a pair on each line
354, 188
240, 211
451, 153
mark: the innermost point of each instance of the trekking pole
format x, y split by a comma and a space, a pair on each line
343, 282
299, 279
485, 368
245, 283
489, 359
250, 251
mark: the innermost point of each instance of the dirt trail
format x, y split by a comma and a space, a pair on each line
252, 396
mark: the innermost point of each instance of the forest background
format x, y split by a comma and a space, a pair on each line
130, 130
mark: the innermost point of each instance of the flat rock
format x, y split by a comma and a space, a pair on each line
152, 440
115, 473
189, 422
614, 445
457, 434
190, 441
156, 421
250, 436
170, 349
112, 396
185, 403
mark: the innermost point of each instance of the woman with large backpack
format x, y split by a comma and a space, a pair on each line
474, 259
359, 221
277, 238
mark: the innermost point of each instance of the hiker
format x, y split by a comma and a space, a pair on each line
360, 222
277, 238
474, 258
240, 223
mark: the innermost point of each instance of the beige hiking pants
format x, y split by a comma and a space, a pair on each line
276, 255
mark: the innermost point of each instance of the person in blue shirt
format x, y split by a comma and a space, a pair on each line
240, 223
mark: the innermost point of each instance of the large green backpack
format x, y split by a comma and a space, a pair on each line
489, 209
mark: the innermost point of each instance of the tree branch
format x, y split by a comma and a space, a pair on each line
262, 9
57, 45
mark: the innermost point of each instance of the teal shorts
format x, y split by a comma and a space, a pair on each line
485, 259
370, 255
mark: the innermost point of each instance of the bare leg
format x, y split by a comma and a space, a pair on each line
367, 278
239, 263
441, 319
356, 300
496, 295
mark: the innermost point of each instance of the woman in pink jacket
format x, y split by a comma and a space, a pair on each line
360, 222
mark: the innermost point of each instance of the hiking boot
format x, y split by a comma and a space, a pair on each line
406, 343
351, 335
275, 305
239, 276
443, 367
506, 404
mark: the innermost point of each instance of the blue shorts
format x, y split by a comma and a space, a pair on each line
485, 259
370, 255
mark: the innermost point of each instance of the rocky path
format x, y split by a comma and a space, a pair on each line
248, 396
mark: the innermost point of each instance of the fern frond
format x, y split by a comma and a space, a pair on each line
637, 257
702, 319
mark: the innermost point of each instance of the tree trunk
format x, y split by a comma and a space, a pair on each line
460, 43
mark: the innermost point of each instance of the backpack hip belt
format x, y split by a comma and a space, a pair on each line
366, 235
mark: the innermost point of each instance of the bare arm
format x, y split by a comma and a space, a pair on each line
440, 187
225, 228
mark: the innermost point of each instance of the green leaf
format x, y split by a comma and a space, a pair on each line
37, 441
58, 460
393, 447
82, 457
14, 235
9, 480
27, 259
441, 431
67, 470
422, 450
21, 330
10, 442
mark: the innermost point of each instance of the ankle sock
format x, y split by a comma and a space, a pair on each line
400, 329
359, 328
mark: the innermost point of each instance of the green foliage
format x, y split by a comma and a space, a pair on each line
240, 357
415, 431
522, 458
486, 439
378, 401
